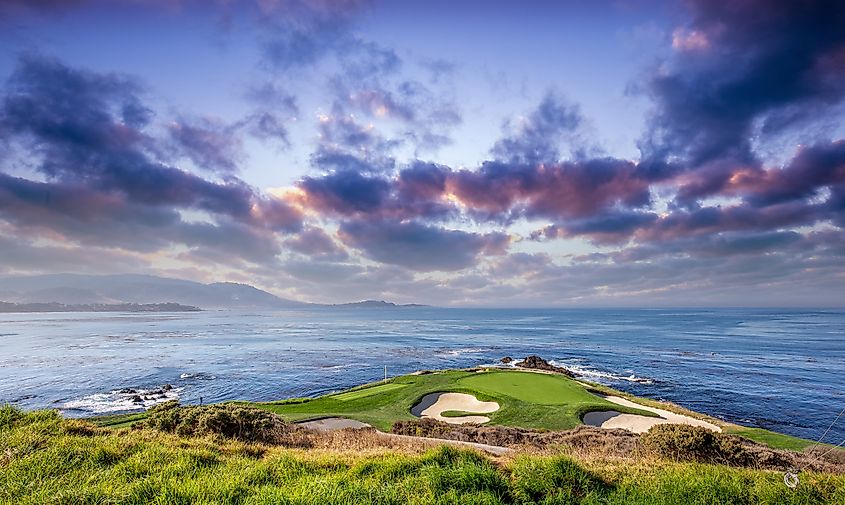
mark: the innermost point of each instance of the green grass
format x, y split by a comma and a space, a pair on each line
118, 420
458, 413
47, 460
526, 399
540, 389
771, 438
356, 394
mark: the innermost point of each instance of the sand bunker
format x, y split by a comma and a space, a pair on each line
640, 424
333, 424
433, 405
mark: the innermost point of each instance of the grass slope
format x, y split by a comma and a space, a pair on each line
45, 460
526, 399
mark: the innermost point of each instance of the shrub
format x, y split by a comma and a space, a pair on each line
694, 443
582, 438
239, 422
681, 442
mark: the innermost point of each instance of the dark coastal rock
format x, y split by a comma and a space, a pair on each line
127, 391
538, 363
507, 359
137, 399
166, 387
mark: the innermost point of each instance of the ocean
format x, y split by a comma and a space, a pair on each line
782, 370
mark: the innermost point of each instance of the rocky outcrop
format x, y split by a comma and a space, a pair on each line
537, 363
507, 359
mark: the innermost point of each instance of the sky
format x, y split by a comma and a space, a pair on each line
476, 153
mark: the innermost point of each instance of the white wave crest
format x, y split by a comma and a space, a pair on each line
121, 400
608, 376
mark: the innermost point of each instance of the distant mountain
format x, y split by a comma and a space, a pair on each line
377, 304
95, 307
137, 289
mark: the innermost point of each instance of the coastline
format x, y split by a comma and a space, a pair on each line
630, 421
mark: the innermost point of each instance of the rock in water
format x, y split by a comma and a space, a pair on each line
507, 359
538, 363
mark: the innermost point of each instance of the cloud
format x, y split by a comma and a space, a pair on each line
538, 137
420, 247
554, 191
316, 244
210, 144
748, 67
702, 211
106, 180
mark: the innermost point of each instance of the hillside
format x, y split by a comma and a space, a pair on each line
138, 289
94, 307
239, 453
114, 290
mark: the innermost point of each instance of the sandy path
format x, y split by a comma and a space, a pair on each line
436, 442
333, 423
434, 404
640, 424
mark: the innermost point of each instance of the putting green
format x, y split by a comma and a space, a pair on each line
529, 387
526, 399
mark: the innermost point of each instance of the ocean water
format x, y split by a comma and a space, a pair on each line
777, 369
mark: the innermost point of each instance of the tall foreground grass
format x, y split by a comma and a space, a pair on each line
45, 459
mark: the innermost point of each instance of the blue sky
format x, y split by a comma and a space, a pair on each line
486, 153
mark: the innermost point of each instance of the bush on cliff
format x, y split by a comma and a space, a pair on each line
239, 422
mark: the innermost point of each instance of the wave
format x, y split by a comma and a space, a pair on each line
583, 371
198, 375
123, 400
459, 352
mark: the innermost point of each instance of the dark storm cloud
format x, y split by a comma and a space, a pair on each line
744, 67
420, 247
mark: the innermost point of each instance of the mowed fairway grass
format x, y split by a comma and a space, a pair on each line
526, 399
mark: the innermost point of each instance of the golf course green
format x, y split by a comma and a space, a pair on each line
526, 399
531, 400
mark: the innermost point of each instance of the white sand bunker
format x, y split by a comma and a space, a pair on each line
435, 404
640, 424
